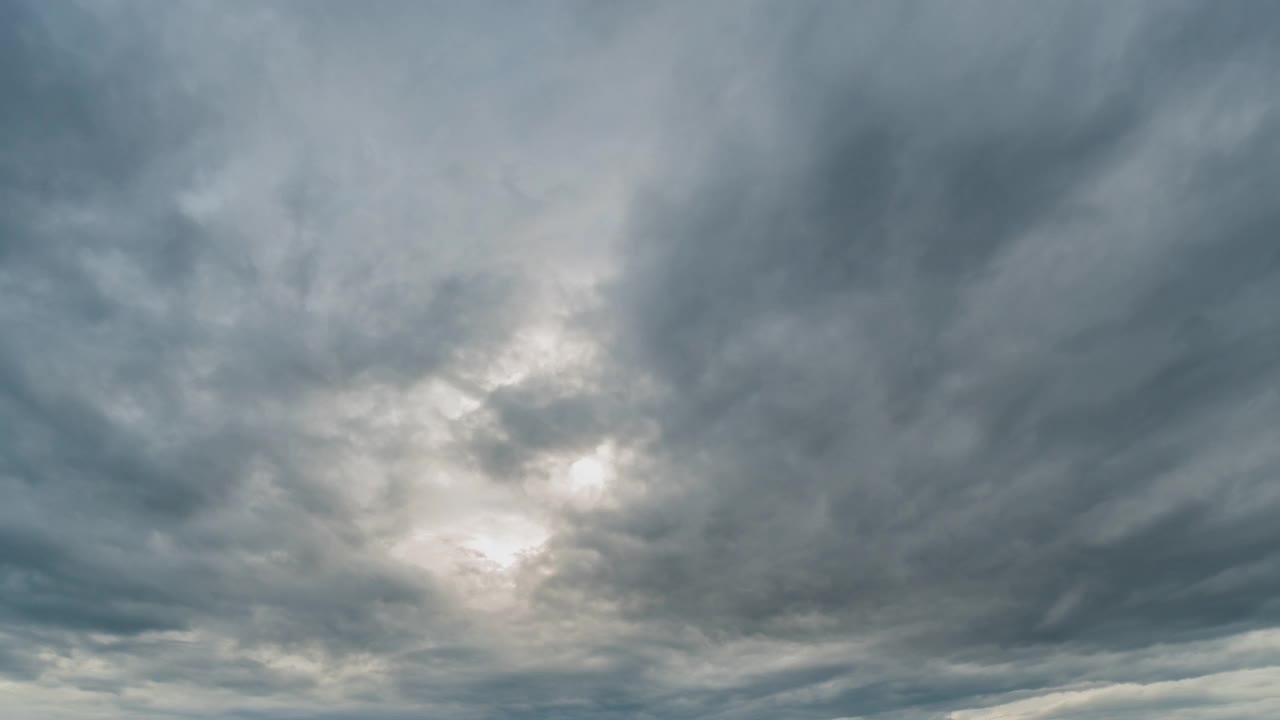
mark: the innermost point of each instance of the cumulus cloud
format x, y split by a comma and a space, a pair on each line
730, 360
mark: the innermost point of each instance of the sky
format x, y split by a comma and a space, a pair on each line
738, 360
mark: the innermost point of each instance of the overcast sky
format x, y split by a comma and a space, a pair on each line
621, 360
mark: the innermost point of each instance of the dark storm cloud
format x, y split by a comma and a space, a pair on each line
936, 362
926, 364
134, 425
529, 420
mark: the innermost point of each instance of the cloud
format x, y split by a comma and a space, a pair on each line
918, 353
807, 360
1245, 693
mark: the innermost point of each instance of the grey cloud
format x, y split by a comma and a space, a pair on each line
529, 421
136, 421
935, 356
870, 437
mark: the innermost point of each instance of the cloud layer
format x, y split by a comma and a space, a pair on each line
729, 360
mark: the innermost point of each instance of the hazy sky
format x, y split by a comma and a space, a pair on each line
621, 360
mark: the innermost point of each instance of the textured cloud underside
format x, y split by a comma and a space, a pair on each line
576, 360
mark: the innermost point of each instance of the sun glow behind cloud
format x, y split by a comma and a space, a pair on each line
493, 527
